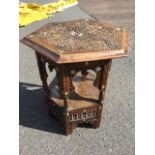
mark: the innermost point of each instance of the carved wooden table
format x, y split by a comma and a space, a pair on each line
81, 53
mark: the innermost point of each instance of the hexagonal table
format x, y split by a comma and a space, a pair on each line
81, 54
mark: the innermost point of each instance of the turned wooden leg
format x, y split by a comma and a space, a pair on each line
42, 71
64, 82
101, 82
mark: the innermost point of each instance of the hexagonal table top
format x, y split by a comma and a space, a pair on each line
77, 41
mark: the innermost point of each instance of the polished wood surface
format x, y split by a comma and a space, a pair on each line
80, 40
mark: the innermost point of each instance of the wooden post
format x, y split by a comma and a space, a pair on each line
42, 72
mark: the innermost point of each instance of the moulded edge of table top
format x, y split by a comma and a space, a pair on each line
78, 57
56, 56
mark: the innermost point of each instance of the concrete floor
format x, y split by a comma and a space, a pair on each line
42, 135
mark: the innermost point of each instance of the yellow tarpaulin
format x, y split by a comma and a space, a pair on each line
31, 12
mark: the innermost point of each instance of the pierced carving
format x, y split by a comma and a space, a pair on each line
50, 67
82, 116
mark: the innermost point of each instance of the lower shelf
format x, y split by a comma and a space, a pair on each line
84, 96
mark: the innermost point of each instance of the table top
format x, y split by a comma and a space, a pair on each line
78, 41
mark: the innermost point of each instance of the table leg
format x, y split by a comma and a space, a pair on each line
64, 83
102, 87
42, 71
104, 80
